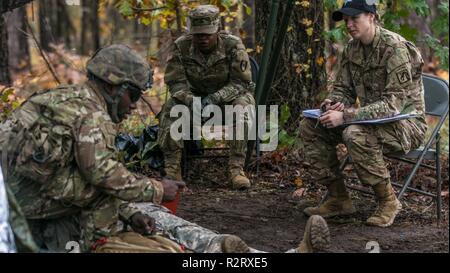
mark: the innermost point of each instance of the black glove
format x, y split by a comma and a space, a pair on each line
206, 101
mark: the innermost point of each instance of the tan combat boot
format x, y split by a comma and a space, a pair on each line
316, 237
337, 203
388, 206
238, 180
234, 244
172, 167
227, 244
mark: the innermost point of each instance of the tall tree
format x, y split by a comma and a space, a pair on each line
300, 76
64, 28
19, 53
5, 77
47, 23
90, 28
55, 25
249, 24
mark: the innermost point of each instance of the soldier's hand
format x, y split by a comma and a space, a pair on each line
328, 104
171, 187
142, 223
332, 119
206, 101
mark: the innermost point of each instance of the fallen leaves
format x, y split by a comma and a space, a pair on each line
298, 194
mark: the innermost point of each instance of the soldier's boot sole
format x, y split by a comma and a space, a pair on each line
375, 221
316, 237
234, 244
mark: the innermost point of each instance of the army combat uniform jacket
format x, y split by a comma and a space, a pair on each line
58, 148
226, 72
386, 78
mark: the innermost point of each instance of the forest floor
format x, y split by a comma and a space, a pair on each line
269, 215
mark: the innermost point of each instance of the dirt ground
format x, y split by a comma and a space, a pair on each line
269, 218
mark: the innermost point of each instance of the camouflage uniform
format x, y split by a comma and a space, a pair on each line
201, 240
386, 79
386, 82
224, 75
63, 162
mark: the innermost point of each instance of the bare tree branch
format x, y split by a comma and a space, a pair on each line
152, 9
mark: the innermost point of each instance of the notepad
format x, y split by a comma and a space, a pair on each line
315, 114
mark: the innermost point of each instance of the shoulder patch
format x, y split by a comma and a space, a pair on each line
244, 65
403, 75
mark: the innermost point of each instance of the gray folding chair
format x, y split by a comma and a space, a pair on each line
437, 105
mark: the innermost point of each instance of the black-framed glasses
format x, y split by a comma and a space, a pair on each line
135, 93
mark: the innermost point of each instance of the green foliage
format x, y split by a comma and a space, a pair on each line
284, 138
440, 25
331, 5
166, 11
8, 102
440, 50
336, 34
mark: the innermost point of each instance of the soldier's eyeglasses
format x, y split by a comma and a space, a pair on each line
135, 93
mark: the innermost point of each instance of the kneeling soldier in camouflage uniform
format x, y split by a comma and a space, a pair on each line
212, 65
383, 71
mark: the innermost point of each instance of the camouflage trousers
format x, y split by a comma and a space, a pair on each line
192, 236
172, 148
366, 144
85, 229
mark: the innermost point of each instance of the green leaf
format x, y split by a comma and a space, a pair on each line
6, 93
330, 5
125, 8
248, 10
285, 114
146, 21
336, 34
408, 33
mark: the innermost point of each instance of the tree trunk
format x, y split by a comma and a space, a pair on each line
95, 25
47, 23
142, 33
64, 28
300, 77
249, 25
5, 77
55, 26
90, 32
7, 5
19, 54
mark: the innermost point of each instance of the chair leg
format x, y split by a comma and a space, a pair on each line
438, 179
258, 142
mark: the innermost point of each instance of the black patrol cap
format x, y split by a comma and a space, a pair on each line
355, 7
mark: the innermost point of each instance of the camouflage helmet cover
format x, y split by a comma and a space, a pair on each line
119, 64
204, 19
